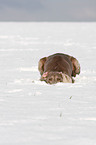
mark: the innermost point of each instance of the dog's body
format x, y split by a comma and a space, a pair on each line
58, 68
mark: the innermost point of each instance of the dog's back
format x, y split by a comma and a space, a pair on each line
58, 63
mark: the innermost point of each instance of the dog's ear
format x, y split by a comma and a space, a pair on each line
45, 75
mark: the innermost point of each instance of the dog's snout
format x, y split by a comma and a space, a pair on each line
54, 80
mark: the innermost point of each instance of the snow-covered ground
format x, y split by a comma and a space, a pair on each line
33, 112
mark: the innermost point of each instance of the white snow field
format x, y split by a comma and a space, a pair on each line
33, 112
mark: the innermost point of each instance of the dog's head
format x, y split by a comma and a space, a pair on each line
55, 77
52, 77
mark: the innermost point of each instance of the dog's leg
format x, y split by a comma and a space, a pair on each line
41, 65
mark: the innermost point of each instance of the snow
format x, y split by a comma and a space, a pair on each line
33, 112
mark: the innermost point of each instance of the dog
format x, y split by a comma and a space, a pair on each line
58, 67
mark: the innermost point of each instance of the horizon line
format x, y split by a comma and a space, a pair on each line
46, 21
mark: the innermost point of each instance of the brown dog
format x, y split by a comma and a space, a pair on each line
58, 68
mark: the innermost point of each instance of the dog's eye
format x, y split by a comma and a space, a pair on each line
58, 79
50, 79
